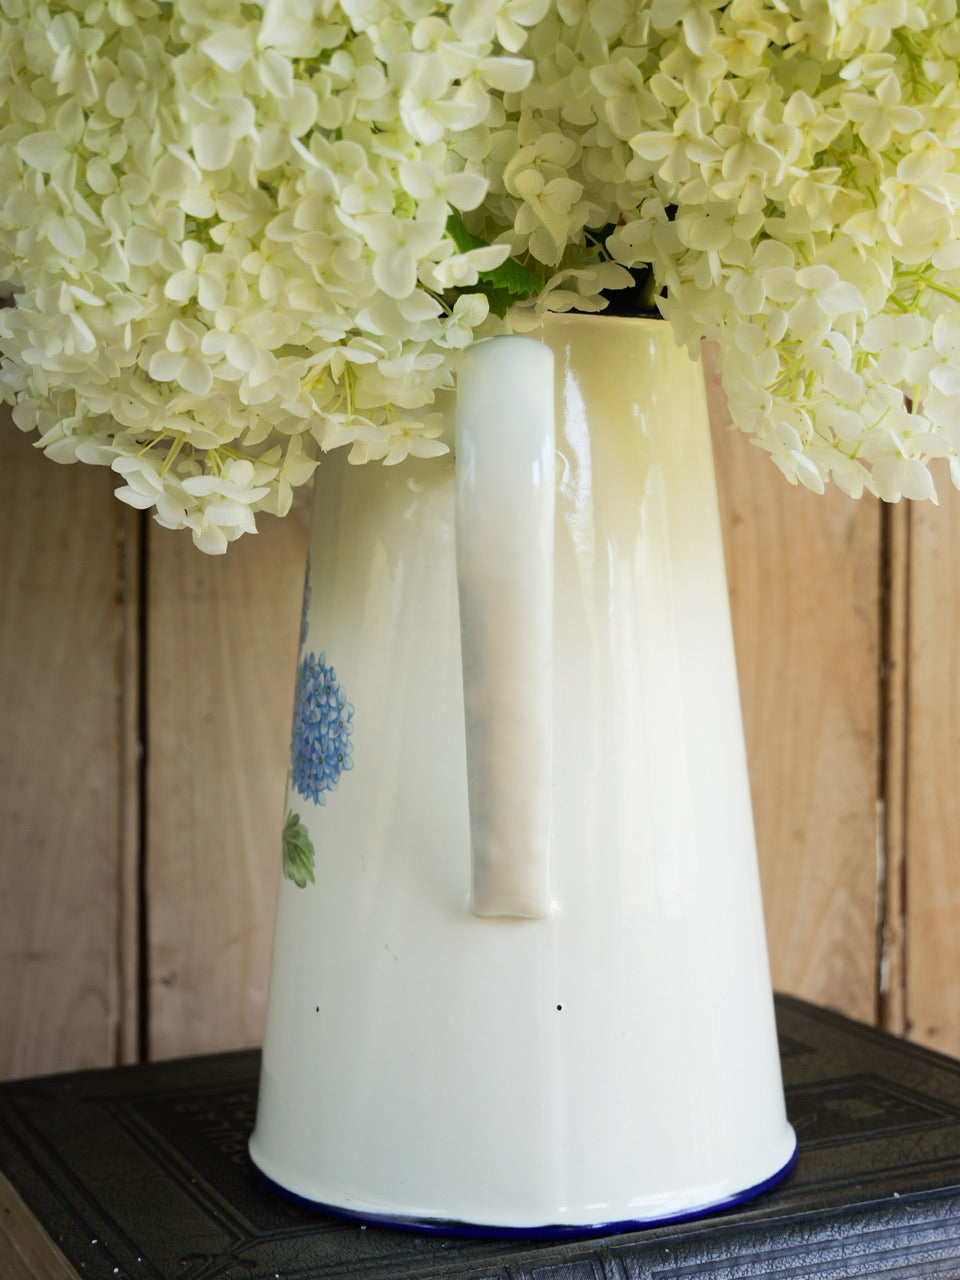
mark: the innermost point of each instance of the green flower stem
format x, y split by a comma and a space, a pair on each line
914, 52
173, 452
936, 287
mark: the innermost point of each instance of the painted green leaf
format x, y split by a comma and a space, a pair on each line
297, 851
503, 286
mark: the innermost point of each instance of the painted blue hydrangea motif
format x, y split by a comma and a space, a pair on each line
322, 721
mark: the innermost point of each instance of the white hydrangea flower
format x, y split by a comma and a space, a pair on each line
237, 236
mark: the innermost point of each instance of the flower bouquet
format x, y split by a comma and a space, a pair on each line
237, 236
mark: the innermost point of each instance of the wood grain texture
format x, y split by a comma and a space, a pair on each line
66, 758
26, 1251
895, 770
222, 641
804, 588
932, 877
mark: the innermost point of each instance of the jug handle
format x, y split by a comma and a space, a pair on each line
505, 443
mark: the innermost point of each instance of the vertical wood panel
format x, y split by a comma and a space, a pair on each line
67, 593
223, 635
932, 888
804, 587
892, 846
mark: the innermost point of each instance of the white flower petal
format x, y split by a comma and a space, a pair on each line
230, 48
213, 145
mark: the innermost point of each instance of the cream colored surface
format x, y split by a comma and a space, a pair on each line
617, 1060
505, 448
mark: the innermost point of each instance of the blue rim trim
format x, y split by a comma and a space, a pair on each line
469, 1230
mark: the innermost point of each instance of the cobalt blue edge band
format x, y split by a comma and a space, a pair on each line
468, 1230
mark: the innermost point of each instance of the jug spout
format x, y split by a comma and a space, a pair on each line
505, 518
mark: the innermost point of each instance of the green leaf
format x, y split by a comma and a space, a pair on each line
464, 240
504, 285
297, 851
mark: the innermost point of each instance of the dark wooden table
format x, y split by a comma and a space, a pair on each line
141, 1172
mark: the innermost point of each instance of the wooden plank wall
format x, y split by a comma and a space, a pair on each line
931, 883
222, 635
68, 765
145, 696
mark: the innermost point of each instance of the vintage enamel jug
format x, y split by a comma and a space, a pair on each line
520, 980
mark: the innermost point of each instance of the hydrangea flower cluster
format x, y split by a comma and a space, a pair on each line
322, 724
805, 159
226, 225
241, 234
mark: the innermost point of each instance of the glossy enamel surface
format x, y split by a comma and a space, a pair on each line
505, 449
615, 1060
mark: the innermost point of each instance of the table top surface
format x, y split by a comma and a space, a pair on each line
142, 1172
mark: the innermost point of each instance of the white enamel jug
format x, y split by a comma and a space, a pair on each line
520, 980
